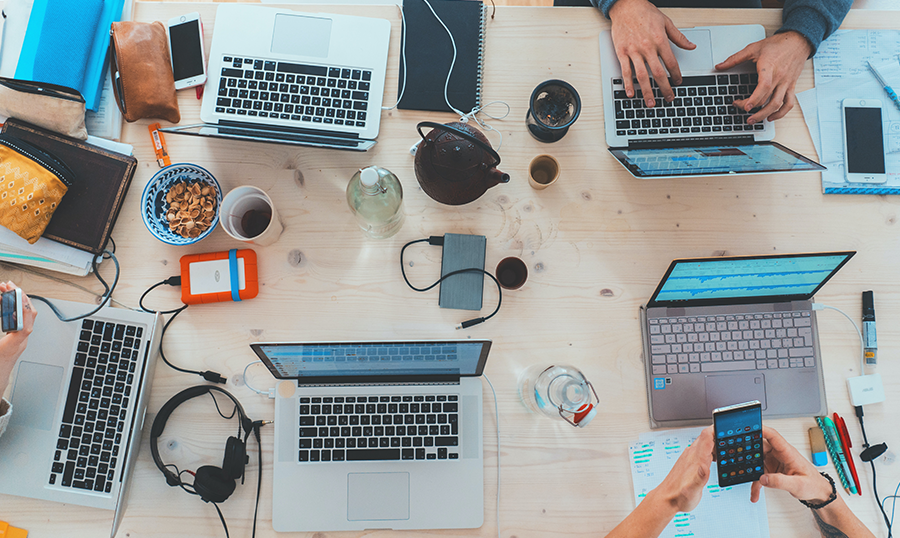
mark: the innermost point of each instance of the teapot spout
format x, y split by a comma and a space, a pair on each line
495, 176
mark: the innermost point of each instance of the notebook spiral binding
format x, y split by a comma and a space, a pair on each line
480, 68
833, 452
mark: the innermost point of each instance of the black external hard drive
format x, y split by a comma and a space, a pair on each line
463, 291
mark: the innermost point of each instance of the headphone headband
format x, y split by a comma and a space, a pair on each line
159, 423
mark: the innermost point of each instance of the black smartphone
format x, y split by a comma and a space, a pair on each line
739, 446
11, 310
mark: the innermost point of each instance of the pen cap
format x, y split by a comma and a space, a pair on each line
817, 447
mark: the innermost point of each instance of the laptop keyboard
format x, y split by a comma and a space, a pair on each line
702, 104
770, 341
295, 92
366, 428
87, 451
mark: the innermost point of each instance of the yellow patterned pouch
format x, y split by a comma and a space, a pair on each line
32, 184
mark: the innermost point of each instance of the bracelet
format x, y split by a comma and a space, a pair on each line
816, 506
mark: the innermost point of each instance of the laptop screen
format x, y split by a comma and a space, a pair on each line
750, 158
755, 279
358, 362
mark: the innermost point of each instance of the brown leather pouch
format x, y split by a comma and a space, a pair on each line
142, 72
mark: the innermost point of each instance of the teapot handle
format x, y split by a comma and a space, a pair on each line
461, 133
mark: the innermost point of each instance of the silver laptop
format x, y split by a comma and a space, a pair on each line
79, 396
720, 331
377, 435
699, 132
276, 75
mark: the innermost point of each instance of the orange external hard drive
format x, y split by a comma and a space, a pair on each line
219, 276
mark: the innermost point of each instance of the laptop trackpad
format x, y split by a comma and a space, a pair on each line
698, 60
730, 389
301, 36
35, 394
377, 496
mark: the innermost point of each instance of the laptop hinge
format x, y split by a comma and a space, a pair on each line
735, 140
285, 129
385, 384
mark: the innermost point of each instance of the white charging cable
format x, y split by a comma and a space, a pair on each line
270, 393
862, 348
496, 421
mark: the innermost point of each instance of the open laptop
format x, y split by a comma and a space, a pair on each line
276, 75
700, 132
79, 397
720, 331
377, 435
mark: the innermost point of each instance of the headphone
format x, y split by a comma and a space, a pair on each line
212, 484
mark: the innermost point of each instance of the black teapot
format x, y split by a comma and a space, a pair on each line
455, 163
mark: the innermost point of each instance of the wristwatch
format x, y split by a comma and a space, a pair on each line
816, 506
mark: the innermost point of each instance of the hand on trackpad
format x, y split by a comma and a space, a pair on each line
377, 496
699, 60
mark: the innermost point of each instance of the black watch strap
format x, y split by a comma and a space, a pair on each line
823, 504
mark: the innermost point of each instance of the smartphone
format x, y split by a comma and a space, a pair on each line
863, 141
186, 50
739, 446
11, 310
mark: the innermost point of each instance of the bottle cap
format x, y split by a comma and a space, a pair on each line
369, 176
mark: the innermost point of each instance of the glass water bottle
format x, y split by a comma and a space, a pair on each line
376, 198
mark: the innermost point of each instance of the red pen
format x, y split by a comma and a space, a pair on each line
845, 440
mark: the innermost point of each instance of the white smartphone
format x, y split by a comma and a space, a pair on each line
11, 310
863, 141
186, 50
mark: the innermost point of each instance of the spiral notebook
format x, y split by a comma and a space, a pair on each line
429, 53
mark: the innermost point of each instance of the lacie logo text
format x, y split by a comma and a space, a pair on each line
870, 389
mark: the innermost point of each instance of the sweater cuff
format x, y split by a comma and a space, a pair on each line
807, 22
5, 413
604, 6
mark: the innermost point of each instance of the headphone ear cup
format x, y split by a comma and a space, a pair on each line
235, 458
213, 484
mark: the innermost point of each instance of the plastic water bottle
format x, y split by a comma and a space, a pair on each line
560, 392
376, 198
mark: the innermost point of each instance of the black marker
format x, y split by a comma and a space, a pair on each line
868, 319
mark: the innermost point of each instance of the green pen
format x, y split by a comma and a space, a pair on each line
838, 454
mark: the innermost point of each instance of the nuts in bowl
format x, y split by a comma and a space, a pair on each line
180, 204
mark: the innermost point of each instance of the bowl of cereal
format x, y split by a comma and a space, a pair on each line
180, 204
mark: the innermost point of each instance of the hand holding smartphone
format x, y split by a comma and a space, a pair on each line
863, 141
739, 444
11, 311
186, 50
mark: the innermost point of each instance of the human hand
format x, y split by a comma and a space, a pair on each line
641, 36
13, 344
683, 486
779, 61
788, 470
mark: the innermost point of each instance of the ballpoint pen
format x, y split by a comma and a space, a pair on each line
847, 445
887, 87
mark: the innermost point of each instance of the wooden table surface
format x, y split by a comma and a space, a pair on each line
596, 244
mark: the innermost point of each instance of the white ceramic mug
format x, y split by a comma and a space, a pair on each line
243, 214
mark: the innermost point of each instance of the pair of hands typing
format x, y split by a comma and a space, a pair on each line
642, 34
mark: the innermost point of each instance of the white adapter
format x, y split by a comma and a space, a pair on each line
865, 389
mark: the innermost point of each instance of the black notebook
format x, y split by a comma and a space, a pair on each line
429, 53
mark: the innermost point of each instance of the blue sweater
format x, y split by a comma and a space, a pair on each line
813, 19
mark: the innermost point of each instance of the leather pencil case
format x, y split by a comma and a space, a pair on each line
57, 108
32, 184
143, 83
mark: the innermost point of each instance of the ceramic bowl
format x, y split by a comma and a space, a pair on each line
154, 206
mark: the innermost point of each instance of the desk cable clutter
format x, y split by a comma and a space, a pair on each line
209, 278
864, 390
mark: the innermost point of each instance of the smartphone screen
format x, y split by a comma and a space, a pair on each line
865, 142
739, 452
9, 311
187, 53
